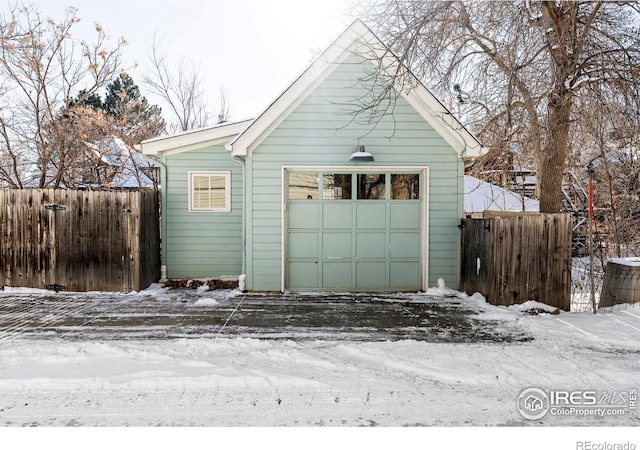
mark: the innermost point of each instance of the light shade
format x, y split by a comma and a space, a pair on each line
361, 155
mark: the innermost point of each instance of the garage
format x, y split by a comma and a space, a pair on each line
313, 196
355, 230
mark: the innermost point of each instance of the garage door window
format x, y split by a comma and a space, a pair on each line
303, 186
336, 186
371, 186
353, 186
405, 186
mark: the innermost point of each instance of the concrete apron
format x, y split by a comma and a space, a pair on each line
353, 317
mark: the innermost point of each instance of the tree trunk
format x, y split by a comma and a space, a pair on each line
552, 161
559, 21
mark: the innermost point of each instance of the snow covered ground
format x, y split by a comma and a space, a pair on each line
258, 382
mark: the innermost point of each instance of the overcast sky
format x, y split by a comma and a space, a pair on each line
252, 48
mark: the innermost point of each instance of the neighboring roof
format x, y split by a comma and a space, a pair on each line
130, 165
189, 140
481, 196
357, 38
128, 168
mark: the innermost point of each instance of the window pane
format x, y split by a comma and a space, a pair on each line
201, 191
303, 186
336, 186
405, 186
201, 200
218, 197
371, 186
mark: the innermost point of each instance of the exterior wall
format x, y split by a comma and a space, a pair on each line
322, 131
200, 244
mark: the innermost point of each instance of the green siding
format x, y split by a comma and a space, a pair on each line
321, 131
201, 244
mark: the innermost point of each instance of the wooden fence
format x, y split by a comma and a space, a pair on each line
514, 259
79, 240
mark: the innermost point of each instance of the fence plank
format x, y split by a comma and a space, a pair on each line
526, 258
79, 240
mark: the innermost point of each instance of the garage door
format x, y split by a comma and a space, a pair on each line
354, 230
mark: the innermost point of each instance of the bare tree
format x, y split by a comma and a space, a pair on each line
41, 67
607, 129
525, 62
73, 160
182, 91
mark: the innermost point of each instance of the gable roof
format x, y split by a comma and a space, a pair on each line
242, 137
189, 140
357, 38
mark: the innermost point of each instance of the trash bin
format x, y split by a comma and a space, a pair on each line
621, 282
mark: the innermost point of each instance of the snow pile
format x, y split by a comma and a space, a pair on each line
206, 302
203, 288
443, 291
533, 307
206, 296
23, 290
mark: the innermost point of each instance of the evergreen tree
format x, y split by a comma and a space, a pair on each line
123, 96
133, 118
84, 98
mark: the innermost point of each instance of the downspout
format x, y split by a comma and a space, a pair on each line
241, 279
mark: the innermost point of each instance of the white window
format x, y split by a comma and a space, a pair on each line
210, 191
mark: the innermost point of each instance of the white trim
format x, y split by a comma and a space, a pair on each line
357, 39
227, 190
430, 108
283, 227
183, 142
424, 226
444, 122
354, 168
196, 146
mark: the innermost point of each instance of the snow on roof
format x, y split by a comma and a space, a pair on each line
481, 196
129, 164
128, 168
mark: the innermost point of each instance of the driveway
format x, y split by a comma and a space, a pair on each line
184, 313
155, 358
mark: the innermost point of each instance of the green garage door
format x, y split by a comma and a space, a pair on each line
354, 231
